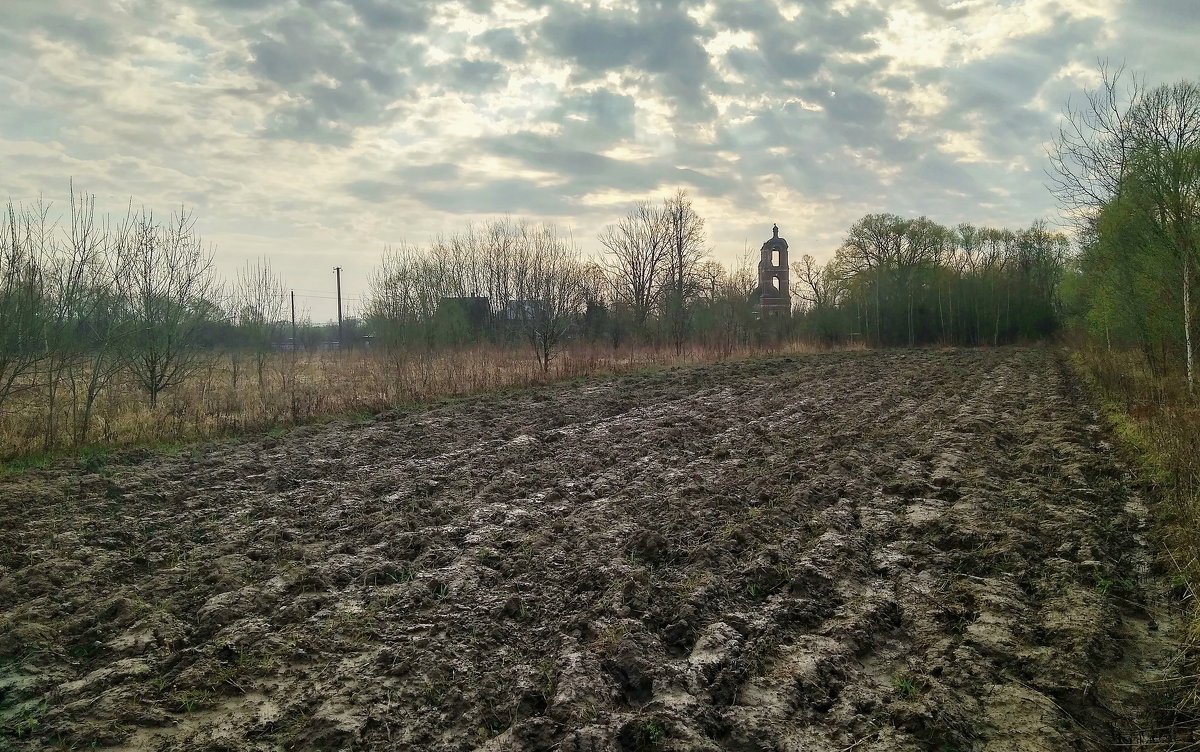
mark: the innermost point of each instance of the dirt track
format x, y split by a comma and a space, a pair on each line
904, 550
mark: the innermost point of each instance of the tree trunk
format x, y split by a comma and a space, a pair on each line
879, 309
51, 404
911, 333
85, 422
1187, 319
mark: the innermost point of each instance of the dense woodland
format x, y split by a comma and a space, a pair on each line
912, 281
89, 301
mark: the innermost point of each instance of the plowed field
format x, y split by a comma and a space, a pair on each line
898, 550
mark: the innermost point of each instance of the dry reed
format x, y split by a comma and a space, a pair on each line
231, 394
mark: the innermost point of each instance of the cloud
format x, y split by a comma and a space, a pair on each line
306, 128
409, 17
659, 43
501, 196
597, 118
475, 76
582, 172
353, 65
504, 44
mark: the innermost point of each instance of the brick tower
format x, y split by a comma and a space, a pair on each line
773, 295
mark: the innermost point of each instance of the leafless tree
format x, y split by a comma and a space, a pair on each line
259, 302
23, 234
1088, 159
551, 290
534, 280
686, 249
637, 260
170, 291
711, 276
70, 273
811, 282
730, 302
104, 320
405, 286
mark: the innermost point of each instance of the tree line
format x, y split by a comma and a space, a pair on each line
894, 281
898, 281
88, 301
1126, 165
511, 280
94, 305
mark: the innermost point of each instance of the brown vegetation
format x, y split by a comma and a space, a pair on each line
235, 393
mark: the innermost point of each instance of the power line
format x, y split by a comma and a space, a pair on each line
329, 298
302, 289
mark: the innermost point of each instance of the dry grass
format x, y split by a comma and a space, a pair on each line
1160, 421
226, 397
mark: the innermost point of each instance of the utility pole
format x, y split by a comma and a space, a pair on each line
293, 321
338, 270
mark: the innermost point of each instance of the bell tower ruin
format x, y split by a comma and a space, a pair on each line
773, 295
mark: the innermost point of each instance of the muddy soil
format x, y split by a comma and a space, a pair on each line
903, 550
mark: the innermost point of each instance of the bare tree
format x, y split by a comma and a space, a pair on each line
405, 290
551, 290
169, 291
637, 261
104, 322
1088, 158
68, 274
733, 313
812, 282
22, 296
259, 302
686, 248
711, 276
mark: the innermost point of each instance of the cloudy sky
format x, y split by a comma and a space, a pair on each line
314, 132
